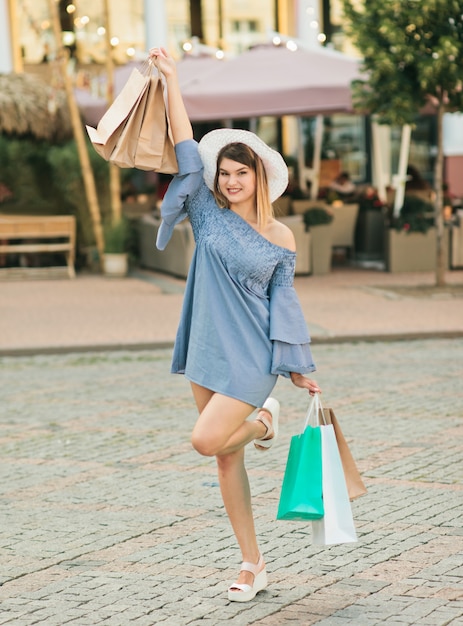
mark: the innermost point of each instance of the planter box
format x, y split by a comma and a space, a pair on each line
344, 221
314, 247
370, 234
456, 247
321, 240
176, 258
410, 252
115, 265
303, 243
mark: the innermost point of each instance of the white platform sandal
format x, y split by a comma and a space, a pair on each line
273, 407
244, 593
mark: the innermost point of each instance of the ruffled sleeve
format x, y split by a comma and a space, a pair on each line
288, 329
184, 184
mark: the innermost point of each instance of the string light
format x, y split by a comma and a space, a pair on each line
195, 47
69, 38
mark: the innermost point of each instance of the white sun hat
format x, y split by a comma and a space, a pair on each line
275, 167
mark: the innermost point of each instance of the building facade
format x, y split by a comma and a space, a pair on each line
232, 25
228, 26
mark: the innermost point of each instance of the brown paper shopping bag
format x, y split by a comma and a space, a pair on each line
134, 132
125, 148
105, 136
155, 147
354, 482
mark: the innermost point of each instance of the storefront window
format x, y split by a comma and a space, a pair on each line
87, 36
232, 25
344, 141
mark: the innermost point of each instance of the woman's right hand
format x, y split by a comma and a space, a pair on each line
165, 62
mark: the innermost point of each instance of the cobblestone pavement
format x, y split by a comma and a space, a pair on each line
109, 517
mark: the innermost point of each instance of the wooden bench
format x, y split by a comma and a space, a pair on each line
26, 234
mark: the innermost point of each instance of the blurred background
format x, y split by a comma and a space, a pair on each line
39, 160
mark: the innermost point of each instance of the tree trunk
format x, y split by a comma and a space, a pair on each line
438, 207
87, 172
114, 171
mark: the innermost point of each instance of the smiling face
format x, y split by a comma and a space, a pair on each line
236, 181
241, 182
235, 178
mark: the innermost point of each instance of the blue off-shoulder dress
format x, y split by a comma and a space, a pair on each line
241, 323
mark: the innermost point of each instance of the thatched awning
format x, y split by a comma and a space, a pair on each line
28, 106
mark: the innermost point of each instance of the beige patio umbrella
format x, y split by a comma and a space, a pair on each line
29, 106
272, 80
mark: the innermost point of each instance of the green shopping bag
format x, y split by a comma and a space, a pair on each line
301, 492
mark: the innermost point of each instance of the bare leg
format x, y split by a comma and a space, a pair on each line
236, 495
222, 430
221, 427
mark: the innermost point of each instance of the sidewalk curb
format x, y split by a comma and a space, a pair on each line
165, 345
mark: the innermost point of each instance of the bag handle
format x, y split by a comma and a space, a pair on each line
146, 67
321, 411
314, 412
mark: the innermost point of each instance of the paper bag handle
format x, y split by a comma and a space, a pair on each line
147, 66
314, 412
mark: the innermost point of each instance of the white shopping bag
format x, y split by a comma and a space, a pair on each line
337, 525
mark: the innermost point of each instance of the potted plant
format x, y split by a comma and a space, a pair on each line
456, 232
411, 238
318, 221
370, 226
116, 243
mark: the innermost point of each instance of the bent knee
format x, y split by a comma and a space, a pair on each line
206, 446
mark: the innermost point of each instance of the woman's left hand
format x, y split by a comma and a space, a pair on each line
305, 383
165, 62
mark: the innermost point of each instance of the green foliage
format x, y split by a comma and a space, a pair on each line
416, 216
46, 179
331, 196
316, 217
117, 236
38, 178
412, 54
68, 181
25, 170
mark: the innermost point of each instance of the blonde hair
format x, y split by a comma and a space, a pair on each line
241, 153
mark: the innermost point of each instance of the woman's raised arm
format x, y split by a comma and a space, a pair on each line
178, 117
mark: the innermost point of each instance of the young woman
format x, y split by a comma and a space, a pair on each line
241, 324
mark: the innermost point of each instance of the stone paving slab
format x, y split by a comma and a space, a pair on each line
109, 517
